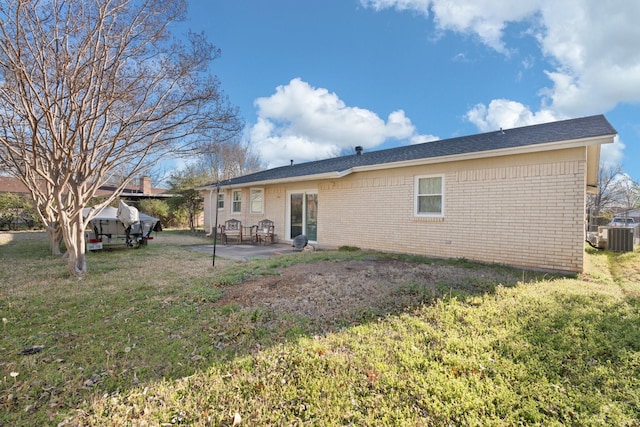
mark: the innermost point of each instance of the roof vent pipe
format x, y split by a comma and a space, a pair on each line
358, 150
291, 162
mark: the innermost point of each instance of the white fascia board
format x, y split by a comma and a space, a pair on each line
320, 176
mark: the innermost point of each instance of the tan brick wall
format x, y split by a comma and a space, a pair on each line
274, 208
524, 210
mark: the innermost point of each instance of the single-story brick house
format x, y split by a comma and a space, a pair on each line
513, 196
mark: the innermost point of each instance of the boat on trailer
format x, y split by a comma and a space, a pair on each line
121, 227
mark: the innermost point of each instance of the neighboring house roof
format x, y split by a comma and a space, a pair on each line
571, 133
14, 185
106, 190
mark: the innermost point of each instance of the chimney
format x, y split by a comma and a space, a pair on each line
358, 150
145, 185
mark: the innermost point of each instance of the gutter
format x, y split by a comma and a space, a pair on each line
321, 176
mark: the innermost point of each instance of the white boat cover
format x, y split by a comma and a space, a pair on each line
128, 215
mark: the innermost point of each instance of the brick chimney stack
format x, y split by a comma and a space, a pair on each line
145, 185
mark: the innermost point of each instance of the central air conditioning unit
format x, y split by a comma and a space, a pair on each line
620, 239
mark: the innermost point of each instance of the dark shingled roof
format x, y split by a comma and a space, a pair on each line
565, 130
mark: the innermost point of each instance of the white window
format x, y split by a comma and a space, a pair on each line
429, 196
256, 200
236, 198
221, 201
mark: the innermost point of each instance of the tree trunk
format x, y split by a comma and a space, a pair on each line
55, 238
73, 233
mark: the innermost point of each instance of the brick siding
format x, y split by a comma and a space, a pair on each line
525, 210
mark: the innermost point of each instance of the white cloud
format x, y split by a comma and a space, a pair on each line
506, 114
417, 5
486, 19
419, 139
302, 123
612, 154
592, 44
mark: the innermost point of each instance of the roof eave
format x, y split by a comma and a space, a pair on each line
582, 142
556, 145
315, 177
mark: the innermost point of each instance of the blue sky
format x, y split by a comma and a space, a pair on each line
313, 78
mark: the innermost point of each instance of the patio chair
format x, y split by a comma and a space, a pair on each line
265, 231
231, 228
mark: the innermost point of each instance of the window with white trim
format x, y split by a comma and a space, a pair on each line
429, 196
236, 201
256, 200
220, 201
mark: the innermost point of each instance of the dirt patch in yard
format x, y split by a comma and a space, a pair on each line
347, 290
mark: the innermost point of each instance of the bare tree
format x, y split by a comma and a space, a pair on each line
42, 195
607, 194
628, 193
91, 87
228, 159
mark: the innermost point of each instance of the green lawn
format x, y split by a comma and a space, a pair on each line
141, 342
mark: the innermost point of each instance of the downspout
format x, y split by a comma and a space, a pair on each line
215, 230
210, 212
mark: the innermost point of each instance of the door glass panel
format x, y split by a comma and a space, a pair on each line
296, 215
311, 217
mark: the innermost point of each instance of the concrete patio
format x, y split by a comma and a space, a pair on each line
246, 252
